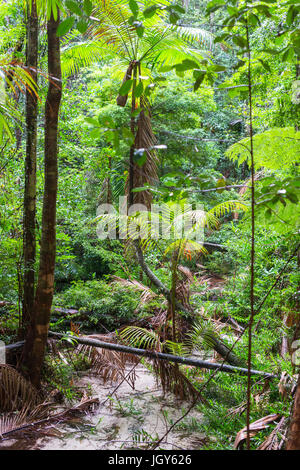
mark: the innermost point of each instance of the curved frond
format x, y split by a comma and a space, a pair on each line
202, 335
15, 78
225, 207
83, 54
138, 337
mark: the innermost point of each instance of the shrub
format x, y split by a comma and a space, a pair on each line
99, 303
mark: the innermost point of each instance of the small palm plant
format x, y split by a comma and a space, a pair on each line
177, 231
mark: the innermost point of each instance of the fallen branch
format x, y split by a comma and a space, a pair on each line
162, 356
10, 347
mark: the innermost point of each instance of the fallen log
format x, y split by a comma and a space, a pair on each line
163, 356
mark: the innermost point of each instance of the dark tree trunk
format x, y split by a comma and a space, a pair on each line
30, 170
293, 441
34, 350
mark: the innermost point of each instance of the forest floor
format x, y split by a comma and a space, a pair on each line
129, 419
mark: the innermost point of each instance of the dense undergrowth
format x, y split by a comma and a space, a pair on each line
200, 128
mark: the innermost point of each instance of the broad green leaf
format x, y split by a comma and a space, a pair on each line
186, 64
220, 184
240, 41
134, 7
92, 121
140, 158
74, 7
150, 11
65, 26
82, 26
173, 17
139, 27
265, 65
139, 90
126, 87
88, 7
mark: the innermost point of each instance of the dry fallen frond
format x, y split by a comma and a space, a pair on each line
183, 294
255, 427
286, 384
15, 391
27, 424
187, 272
158, 321
75, 328
272, 441
173, 380
110, 365
147, 294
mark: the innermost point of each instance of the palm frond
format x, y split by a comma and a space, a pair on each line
15, 391
139, 337
186, 248
173, 379
81, 54
33, 422
202, 334
186, 272
196, 36
225, 207
111, 25
147, 294
110, 365
178, 349
14, 77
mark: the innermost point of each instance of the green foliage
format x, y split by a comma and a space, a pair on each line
275, 149
272, 252
60, 371
101, 305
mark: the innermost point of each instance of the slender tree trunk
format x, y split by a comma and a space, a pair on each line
109, 190
131, 153
18, 131
172, 302
37, 338
30, 171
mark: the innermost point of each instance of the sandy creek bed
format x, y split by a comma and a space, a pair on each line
145, 414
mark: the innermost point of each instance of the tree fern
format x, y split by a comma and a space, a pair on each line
161, 43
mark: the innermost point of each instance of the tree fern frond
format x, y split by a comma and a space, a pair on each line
275, 149
196, 36
147, 294
84, 54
